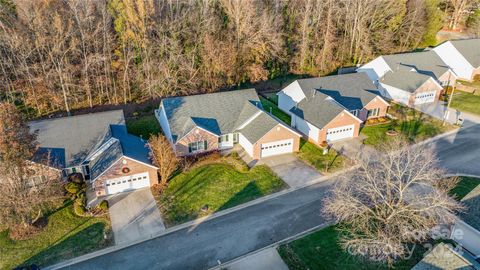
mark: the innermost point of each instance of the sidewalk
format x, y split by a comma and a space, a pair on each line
265, 259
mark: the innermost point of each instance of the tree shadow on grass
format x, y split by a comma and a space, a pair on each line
248, 193
85, 241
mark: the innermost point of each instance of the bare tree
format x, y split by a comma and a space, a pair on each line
163, 156
394, 199
26, 187
460, 9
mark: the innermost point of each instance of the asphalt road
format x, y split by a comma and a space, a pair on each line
241, 232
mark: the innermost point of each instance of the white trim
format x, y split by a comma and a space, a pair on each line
109, 167
146, 164
381, 99
101, 149
435, 81
360, 121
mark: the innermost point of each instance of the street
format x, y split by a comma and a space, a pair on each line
241, 232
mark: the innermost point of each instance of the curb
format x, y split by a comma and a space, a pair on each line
273, 245
121, 246
462, 174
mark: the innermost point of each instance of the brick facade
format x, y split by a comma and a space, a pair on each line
476, 72
196, 134
343, 119
428, 86
278, 133
448, 76
116, 171
375, 103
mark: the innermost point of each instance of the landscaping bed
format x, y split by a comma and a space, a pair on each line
313, 155
415, 126
66, 236
212, 184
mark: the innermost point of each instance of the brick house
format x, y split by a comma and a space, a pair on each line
201, 123
331, 108
99, 147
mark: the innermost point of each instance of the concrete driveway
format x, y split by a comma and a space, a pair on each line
293, 171
134, 215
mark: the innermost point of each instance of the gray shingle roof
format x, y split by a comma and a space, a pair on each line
403, 79
471, 214
219, 113
259, 126
318, 109
72, 139
443, 257
426, 62
470, 49
353, 91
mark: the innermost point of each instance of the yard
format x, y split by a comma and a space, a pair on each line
412, 124
66, 236
212, 185
466, 102
320, 250
464, 186
269, 106
143, 126
314, 156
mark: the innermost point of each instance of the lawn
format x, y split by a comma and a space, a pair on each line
412, 124
143, 126
466, 102
464, 186
314, 156
320, 250
269, 105
215, 185
66, 236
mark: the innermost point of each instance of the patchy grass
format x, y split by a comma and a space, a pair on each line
466, 102
269, 105
464, 186
66, 236
218, 185
321, 250
412, 124
143, 126
313, 155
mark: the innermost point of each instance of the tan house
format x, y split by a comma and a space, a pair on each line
201, 123
331, 108
99, 147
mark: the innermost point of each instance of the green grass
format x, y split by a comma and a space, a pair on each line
220, 185
66, 236
314, 156
267, 105
321, 250
464, 186
414, 125
466, 102
143, 126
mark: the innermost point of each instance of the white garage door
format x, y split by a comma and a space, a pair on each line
426, 97
276, 148
467, 236
127, 183
343, 132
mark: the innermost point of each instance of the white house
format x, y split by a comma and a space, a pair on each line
462, 56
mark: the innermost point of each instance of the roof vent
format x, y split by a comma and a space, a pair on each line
314, 91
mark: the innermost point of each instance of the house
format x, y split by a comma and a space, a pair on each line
331, 108
466, 230
201, 123
444, 256
462, 56
410, 78
99, 147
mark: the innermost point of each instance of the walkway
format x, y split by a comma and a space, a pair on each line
134, 216
265, 259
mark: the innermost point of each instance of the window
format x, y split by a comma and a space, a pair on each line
223, 138
354, 112
374, 112
197, 146
235, 137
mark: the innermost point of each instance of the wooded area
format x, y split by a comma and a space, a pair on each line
59, 55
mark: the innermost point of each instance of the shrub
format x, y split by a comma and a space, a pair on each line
79, 209
73, 188
103, 205
81, 199
234, 154
76, 178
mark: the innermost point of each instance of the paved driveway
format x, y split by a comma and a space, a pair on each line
134, 215
293, 171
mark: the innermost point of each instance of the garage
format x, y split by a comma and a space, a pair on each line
425, 97
276, 148
340, 133
127, 183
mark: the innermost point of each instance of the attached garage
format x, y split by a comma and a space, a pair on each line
340, 133
127, 183
425, 97
276, 148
